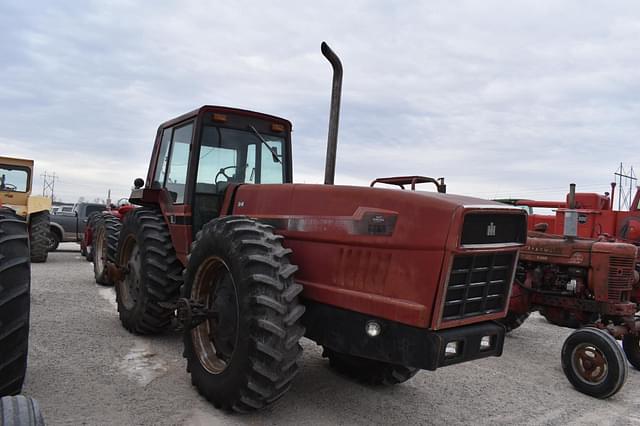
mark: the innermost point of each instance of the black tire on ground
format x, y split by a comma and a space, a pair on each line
569, 320
106, 232
88, 251
593, 362
20, 411
631, 346
154, 272
53, 240
15, 281
513, 320
246, 357
369, 371
39, 235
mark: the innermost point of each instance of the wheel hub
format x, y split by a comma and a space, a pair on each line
590, 364
214, 338
130, 285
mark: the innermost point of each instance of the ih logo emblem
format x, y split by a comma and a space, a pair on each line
491, 230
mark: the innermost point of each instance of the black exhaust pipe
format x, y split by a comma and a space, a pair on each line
334, 114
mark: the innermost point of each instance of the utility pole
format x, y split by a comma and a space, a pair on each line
48, 182
623, 176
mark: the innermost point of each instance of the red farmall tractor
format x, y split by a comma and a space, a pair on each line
577, 281
387, 281
596, 216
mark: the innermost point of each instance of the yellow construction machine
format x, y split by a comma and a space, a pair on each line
16, 177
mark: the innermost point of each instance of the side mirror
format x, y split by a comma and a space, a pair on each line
138, 183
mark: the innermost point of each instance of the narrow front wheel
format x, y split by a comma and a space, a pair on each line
594, 363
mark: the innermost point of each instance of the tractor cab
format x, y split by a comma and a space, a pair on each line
199, 155
15, 182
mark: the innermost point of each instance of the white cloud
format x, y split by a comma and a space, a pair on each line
502, 98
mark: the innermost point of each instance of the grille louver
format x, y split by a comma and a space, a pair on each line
478, 285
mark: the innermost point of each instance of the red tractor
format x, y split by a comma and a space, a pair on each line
387, 281
584, 283
596, 216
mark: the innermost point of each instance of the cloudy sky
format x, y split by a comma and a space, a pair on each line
503, 98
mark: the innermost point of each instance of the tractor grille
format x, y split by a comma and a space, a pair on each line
479, 284
620, 280
493, 228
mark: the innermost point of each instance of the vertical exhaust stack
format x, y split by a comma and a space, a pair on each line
613, 192
334, 115
571, 215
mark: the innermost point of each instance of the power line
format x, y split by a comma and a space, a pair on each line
623, 178
48, 182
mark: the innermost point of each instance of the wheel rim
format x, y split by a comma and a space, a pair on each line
99, 251
51, 241
215, 339
590, 364
130, 286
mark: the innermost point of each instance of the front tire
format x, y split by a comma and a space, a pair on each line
154, 273
39, 224
369, 371
86, 246
15, 282
106, 232
53, 240
20, 411
594, 363
246, 357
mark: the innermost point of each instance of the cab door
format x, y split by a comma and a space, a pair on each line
171, 174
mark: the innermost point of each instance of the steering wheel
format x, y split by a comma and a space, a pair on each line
9, 187
223, 172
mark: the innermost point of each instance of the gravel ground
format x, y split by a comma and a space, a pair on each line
84, 368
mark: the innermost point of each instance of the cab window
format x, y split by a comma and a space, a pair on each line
14, 179
178, 163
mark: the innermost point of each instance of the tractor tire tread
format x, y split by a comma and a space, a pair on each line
15, 279
273, 309
161, 274
39, 224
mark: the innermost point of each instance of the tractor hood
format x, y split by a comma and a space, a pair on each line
381, 217
384, 252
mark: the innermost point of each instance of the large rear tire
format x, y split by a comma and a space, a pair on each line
153, 273
20, 411
594, 363
567, 319
39, 224
106, 232
513, 320
15, 281
246, 357
369, 371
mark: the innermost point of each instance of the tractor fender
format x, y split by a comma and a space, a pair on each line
37, 204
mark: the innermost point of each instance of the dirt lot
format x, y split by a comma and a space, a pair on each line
84, 368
